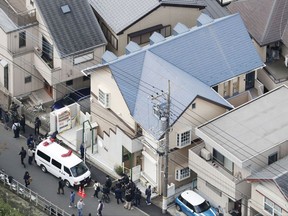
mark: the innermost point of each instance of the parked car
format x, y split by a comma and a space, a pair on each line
192, 204
71, 98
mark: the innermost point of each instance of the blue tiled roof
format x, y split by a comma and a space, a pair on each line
193, 61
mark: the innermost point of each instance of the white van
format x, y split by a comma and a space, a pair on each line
62, 163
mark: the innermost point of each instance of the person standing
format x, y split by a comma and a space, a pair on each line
16, 129
137, 197
22, 123
128, 199
61, 185
96, 187
148, 195
27, 178
30, 140
72, 199
22, 154
37, 124
108, 183
82, 150
30, 154
100, 208
118, 195
80, 205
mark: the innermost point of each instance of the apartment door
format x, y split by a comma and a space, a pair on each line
48, 89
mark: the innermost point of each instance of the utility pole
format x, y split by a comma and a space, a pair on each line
166, 156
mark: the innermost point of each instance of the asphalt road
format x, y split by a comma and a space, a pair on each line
46, 185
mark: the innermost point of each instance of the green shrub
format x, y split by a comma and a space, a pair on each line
118, 169
7, 210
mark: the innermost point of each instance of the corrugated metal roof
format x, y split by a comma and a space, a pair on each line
72, 32
6, 23
119, 14
265, 19
214, 9
194, 62
251, 129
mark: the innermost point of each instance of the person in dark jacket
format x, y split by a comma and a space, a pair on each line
82, 150
23, 122
27, 178
148, 195
128, 199
108, 183
16, 129
137, 197
118, 195
61, 185
22, 154
37, 124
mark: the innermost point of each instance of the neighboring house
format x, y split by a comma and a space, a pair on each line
238, 144
267, 23
129, 95
269, 193
123, 21
48, 47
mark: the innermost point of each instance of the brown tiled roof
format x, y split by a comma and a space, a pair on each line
266, 20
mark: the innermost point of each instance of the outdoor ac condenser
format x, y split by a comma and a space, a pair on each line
205, 154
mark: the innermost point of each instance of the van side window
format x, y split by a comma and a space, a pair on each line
67, 171
56, 164
43, 155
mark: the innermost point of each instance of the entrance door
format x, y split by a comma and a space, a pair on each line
48, 89
250, 78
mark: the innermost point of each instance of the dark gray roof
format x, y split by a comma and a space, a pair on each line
214, 9
277, 172
72, 32
266, 20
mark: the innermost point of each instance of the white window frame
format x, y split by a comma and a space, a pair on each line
182, 176
104, 98
276, 209
182, 143
83, 58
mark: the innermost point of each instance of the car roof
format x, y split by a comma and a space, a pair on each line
192, 197
55, 150
80, 94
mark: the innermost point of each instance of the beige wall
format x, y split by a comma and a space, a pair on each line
261, 50
192, 118
163, 15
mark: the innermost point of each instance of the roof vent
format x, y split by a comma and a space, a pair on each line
156, 38
65, 9
179, 29
204, 19
108, 57
132, 47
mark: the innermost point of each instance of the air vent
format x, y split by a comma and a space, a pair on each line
65, 9
156, 38
204, 19
132, 47
179, 29
108, 57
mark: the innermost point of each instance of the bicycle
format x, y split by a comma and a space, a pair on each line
105, 197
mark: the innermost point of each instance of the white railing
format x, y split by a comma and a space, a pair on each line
26, 193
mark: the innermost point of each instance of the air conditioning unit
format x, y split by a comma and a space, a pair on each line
205, 154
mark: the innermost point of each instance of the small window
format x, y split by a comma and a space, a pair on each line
6, 77
43, 155
193, 105
69, 82
28, 79
56, 164
22, 39
67, 171
272, 158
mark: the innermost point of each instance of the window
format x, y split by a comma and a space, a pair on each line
28, 79
193, 105
22, 39
67, 171
69, 82
142, 37
181, 174
225, 162
104, 98
272, 158
235, 86
56, 164
272, 208
83, 58
226, 89
109, 36
43, 155
184, 139
6, 77
47, 52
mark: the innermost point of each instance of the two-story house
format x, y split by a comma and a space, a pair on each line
47, 48
267, 23
237, 144
129, 95
269, 188
123, 21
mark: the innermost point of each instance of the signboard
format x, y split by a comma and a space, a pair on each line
63, 120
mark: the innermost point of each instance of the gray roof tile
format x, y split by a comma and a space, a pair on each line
72, 32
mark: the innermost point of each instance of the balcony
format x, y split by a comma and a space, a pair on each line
215, 174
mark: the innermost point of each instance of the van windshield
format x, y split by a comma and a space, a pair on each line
79, 169
202, 207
